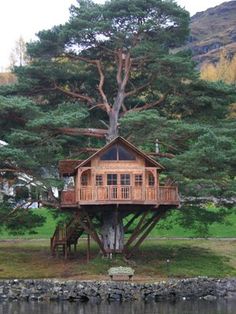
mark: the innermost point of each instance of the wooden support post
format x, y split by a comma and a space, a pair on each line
92, 233
88, 248
136, 230
140, 230
65, 251
145, 234
129, 223
115, 236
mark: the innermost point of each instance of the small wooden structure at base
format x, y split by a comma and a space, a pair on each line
120, 272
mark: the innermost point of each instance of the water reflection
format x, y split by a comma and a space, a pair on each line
185, 307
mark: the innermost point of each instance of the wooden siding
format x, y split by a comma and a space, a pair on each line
118, 181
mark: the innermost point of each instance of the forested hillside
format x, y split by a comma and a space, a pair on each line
109, 71
213, 30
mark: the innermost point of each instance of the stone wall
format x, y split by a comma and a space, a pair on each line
94, 291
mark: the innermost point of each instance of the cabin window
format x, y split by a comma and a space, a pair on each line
151, 180
112, 179
110, 154
138, 180
84, 180
99, 180
125, 179
124, 154
118, 152
69, 183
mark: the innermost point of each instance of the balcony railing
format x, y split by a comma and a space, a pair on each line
168, 194
68, 197
116, 193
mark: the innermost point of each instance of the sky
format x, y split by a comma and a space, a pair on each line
24, 18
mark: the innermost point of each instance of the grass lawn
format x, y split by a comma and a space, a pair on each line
188, 258
43, 232
216, 230
24, 258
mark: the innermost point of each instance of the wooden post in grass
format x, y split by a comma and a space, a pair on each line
88, 248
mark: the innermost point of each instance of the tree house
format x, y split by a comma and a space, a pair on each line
116, 184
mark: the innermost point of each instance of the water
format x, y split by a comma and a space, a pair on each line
184, 307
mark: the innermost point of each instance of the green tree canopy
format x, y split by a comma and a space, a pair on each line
117, 68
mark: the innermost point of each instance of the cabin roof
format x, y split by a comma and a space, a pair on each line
120, 139
67, 167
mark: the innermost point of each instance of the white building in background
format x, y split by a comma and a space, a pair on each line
9, 189
3, 143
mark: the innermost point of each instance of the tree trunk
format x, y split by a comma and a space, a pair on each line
113, 131
112, 228
113, 231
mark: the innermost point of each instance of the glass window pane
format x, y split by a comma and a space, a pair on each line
112, 179
84, 180
125, 179
124, 154
110, 154
99, 180
138, 180
151, 180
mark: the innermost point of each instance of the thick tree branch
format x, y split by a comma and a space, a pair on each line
85, 150
15, 209
137, 90
99, 133
146, 106
100, 86
105, 106
165, 155
50, 204
128, 64
9, 170
119, 67
88, 99
17, 170
80, 58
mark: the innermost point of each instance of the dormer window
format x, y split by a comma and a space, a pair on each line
118, 152
84, 180
151, 180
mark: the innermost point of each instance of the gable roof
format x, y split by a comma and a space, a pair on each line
67, 167
120, 139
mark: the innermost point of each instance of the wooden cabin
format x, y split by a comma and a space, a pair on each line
118, 174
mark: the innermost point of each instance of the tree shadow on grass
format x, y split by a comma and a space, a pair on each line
179, 260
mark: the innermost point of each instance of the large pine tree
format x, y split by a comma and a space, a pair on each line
113, 68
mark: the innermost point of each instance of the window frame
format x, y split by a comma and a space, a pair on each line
126, 180
84, 180
99, 180
137, 181
111, 179
151, 180
118, 149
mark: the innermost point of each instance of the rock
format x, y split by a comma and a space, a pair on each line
210, 298
94, 292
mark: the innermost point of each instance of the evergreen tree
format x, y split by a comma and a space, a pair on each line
113, 68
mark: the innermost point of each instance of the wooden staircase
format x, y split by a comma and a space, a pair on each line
64, 237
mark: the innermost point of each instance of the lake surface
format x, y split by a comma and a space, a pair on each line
183, 307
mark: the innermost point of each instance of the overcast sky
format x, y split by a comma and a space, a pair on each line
27, 17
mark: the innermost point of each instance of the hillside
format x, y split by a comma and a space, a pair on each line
7, 78
212, 30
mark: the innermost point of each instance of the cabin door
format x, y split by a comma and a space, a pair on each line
138, 187
119, 186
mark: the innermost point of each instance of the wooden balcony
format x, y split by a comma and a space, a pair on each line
120, 194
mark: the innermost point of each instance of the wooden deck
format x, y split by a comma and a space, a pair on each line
166, 195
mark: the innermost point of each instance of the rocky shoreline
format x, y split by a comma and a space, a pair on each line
98, 291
